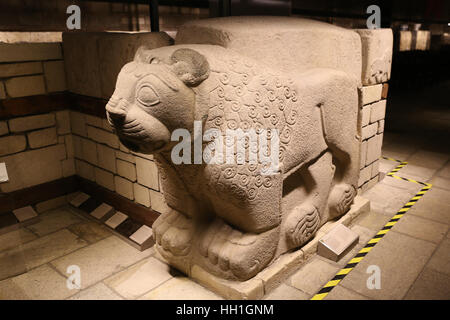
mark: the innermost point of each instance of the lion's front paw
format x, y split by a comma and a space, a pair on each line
341, 199
301, 224
173, 232
234, 254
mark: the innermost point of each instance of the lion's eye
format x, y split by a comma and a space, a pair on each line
147, 96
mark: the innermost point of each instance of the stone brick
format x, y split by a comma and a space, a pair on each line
68, 140
42, 138
31, 122
55, 76
11, 52
147, 173
106, 158
141, 195
3, 128
126, 170
373, 182
61, 139
2, 91
369, 94
89, 151
125, 156
375, 168
63, 122
104, 178
364, 175
85, 170
369, 131
365, 115
78, 123
384, 92
363, 154
374, 148
29, 168
378, 111
68, 167
124, 187
12, 144
94, 121
25, 86
405, 40
77, 149
376, 47
380, 126
20, 69
103, 136
106, 126
157, 201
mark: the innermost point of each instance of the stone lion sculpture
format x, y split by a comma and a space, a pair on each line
230, 219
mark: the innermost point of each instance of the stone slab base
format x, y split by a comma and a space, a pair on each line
279, 270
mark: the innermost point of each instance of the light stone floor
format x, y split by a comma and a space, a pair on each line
414, 257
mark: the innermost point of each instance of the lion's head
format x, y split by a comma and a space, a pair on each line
152, 98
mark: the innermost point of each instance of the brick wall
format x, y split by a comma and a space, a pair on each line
37, 148
30, 69
101, 158
377, 47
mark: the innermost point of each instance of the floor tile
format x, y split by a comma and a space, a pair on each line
416, 172
445, 171
97, 292
15, 238
43, 250
421, 228
312, 276
441, 182
54, 220
42, 283
285, 292
440, 261
180, 288
140, 278
341, 293
90, 231
102, 259
400, 259
430, 285
428, 159
372, 220
387, 199
432, 208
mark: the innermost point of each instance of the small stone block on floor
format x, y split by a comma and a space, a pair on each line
79, 199
102, 212
116, 219
90, 205
336, 243
25, 214
143, 236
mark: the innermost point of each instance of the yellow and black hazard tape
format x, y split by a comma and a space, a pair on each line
372, 242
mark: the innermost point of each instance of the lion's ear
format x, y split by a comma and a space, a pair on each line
144, 54
190, 66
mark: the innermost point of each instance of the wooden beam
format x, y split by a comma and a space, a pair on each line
35, 194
